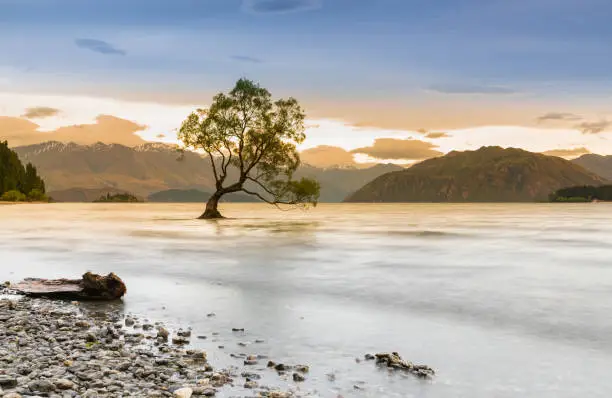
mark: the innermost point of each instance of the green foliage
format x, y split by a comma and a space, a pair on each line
37, 195
118, 198
32, 181
257, 137
584, 193
573, 199
15, 177
13, 196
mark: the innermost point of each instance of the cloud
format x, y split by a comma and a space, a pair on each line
280, 6
327, 156
567, 153
107, 129
39, 112
593, 127
563, 116
435, 135
469, 89
99, 46
246, 58
395, 149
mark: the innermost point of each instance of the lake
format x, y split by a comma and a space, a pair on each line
503, 300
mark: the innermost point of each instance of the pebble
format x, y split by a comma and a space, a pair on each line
183, 393
64, 384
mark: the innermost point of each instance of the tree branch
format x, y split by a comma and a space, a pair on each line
229, 158
257, 157
274, 202
212, 162
262, 186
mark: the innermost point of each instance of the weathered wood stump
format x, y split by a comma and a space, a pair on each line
89, 287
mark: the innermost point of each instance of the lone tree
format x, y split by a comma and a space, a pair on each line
251, 143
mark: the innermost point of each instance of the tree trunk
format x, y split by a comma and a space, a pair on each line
90, 286
211, 211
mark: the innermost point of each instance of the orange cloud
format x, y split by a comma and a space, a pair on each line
567, 153
327, 156
107, 129
395, 149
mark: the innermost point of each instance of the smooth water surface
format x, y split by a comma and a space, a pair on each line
503, 300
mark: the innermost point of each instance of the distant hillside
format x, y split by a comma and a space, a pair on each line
490, 174
84, 194
140, 170
195, 196
598, 164
338, 183
153, 167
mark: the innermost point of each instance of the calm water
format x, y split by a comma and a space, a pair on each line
503, 300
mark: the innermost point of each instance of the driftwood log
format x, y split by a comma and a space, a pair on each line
89, 287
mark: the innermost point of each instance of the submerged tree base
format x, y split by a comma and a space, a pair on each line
211, 214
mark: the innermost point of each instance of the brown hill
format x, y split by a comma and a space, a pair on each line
139, 170
490, 174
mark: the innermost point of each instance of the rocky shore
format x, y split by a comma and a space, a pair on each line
63, 349
57, 349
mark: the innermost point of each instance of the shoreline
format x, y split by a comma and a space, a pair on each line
23, 203
59, 349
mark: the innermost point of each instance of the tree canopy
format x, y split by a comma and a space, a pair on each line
251, 142
17, 179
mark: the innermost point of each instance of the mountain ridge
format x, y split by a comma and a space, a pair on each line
153, 167
598, 164
489, 174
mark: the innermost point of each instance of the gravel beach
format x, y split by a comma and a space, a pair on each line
58, 349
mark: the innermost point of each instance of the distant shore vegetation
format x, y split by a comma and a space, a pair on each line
118, 198
19, 183
582, 194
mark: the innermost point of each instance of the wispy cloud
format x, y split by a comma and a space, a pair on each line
39, 112
567, 153
246, 58
435, 135
594, 127
458, 88
280, 6
99, 46
560, 116
396, 149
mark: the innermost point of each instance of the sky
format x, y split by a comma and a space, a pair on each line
386, 80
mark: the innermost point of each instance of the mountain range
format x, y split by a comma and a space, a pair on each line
78, 172
490, 174
598, 164
160, 172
